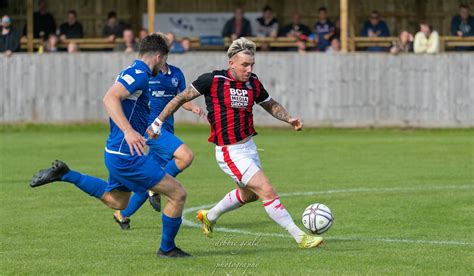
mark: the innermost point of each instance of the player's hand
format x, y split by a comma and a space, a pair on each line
135, 142
154, 130
296, 123
198, 111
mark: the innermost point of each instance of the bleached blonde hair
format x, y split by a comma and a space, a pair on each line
242, 44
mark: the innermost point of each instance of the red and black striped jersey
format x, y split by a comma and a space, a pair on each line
229, 105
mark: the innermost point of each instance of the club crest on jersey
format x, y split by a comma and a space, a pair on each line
174, 81
239, 98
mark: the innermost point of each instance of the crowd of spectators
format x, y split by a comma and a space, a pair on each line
324, 35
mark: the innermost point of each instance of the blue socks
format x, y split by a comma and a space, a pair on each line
172, 169
136, 201
169, 230
91, 185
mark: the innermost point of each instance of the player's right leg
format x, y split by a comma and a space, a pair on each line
93, 186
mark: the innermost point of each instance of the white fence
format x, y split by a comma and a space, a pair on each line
352, 90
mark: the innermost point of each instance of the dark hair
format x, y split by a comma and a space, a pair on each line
424, 22
267, 8
72, 12
111, 14
323, 9
154, 43
464, 6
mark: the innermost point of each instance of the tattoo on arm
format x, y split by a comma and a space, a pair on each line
276, 110
187, 95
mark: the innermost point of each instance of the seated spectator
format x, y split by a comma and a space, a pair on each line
52, 43
404, 43
186, 44
267, 25
175, 47
113, 28
335, 46
374, 27
72, 47
426, 40
142, 33
295, 29
323, 30
129, 44
10, 38
237, 26
462, 25
301, 44
71, 28
43, 22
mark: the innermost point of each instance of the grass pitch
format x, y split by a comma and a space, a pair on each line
403, 202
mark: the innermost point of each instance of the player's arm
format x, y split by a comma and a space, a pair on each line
279, 112
113, 104
187, 95
190, 106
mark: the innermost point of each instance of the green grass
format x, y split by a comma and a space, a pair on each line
415, 216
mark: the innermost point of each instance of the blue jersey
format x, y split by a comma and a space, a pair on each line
135, 79
162, 89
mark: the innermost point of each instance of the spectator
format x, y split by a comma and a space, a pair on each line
295, 29
404, 43
175, 47
374, 27
43, 23
113, 28
267, 25
426, 40
323, 30
337, 30
10, 38
237, 26
142, 33
71, 28
72, 48
52, 43
335, 46
186, 44
462, 25
301, 44
129, 44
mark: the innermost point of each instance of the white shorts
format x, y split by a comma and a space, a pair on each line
240, 161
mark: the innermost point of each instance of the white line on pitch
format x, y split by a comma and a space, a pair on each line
357, 190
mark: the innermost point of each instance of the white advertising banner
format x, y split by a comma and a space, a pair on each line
196, 24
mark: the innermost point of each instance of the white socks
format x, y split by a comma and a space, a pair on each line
230, 202
278, 213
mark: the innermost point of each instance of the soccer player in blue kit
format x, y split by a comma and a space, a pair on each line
129, 168
168, 149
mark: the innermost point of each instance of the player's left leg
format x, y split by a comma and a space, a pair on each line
261, 186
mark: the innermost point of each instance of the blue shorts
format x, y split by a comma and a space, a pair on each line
132, 173
163, 148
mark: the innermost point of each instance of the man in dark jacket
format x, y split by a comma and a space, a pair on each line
9, 38
462, 25
237, 26
71, 28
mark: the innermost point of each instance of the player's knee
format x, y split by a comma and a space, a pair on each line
187, 157
181, 196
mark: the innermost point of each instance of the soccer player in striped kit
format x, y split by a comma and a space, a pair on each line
230, 95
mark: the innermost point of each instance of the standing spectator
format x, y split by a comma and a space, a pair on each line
267, 25
186, 44
129, 44
374, 27
237, 26
71, 28
295, 29
175, 47
10, 38
323, 30
113, 28
404, 43
43, 23
426, 40
462, 25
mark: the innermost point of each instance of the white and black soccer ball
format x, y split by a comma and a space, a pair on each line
317, 218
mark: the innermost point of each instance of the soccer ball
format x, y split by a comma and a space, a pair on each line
317, 218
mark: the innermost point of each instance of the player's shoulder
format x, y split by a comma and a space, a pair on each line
135, 73
175, 70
